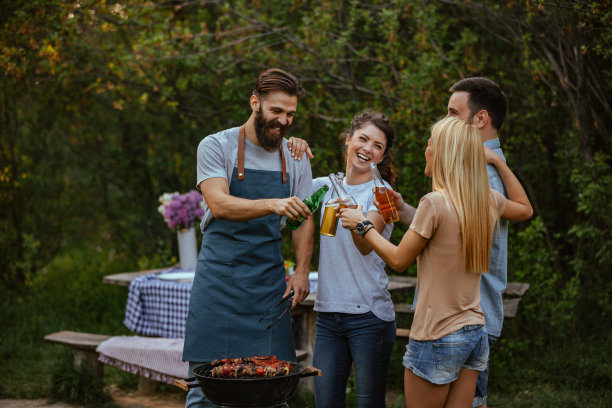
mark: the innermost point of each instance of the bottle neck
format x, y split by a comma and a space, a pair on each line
378, 181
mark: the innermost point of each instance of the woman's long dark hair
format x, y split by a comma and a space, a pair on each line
386, 167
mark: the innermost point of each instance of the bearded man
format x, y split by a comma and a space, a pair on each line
249, 189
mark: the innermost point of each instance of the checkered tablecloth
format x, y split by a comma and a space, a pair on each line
156, 358
158, 307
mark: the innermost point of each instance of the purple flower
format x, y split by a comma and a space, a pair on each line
181, 210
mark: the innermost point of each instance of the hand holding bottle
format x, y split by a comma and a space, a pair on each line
383, 198
350, 217
329, 223
404, 210
346, 200
312, 202
291, 207
395, 195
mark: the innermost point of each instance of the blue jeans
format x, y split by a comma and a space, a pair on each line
195, 396
480, 398
342, 339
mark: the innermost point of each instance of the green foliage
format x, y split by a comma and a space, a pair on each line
104, 104
78, 386
593, 260
66, 295
303, 398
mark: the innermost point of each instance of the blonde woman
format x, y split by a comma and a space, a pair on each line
451, 236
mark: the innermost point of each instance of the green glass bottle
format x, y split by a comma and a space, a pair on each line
312, 202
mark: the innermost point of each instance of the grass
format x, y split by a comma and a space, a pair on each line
77, 386
69, 295
550, 397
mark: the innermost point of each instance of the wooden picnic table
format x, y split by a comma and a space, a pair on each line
304, 316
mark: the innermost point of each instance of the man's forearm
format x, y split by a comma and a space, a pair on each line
241, 209
406, 214
303, 241
225, 206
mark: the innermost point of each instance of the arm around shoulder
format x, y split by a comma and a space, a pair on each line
518, 207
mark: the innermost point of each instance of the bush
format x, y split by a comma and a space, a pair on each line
78, 386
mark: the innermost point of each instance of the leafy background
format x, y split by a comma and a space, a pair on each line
103, 104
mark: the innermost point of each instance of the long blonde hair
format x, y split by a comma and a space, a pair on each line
459, 172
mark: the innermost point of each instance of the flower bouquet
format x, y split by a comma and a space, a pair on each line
180, 212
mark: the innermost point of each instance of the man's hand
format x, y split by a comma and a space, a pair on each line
301, 285
298, 147
291, 207
404, 210
396, 196
227, 207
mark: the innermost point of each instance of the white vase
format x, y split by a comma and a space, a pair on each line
187, 247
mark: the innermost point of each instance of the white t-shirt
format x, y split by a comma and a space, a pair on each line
218, 156
348, 281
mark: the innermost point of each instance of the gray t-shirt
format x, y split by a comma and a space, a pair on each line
218, 156
349, 282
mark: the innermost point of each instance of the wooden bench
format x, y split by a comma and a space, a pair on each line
84, 349
84, 346
511, 297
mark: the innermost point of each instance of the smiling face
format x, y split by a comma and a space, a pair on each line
365, 146
274, 116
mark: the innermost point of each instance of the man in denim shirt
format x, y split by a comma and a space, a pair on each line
481, 102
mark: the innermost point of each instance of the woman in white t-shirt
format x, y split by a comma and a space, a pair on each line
355, 320
451, 235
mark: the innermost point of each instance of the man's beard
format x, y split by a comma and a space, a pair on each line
266, 139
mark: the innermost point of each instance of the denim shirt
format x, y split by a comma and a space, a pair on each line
493, 283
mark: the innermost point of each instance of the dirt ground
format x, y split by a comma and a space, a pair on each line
127, 400
122, 398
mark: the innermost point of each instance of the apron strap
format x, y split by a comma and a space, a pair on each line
241, 136
241, 153
284, 166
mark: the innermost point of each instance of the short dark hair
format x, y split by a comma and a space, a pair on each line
484, 95
275, 79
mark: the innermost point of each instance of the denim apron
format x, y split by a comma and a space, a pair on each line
240, 273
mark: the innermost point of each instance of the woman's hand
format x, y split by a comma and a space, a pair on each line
350, 217
490, 156
298, 147
518, 207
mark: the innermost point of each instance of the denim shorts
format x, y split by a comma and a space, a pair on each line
439, 361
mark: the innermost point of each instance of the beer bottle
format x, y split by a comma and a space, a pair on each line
312, 202
386, 203
346, 201
329, 223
